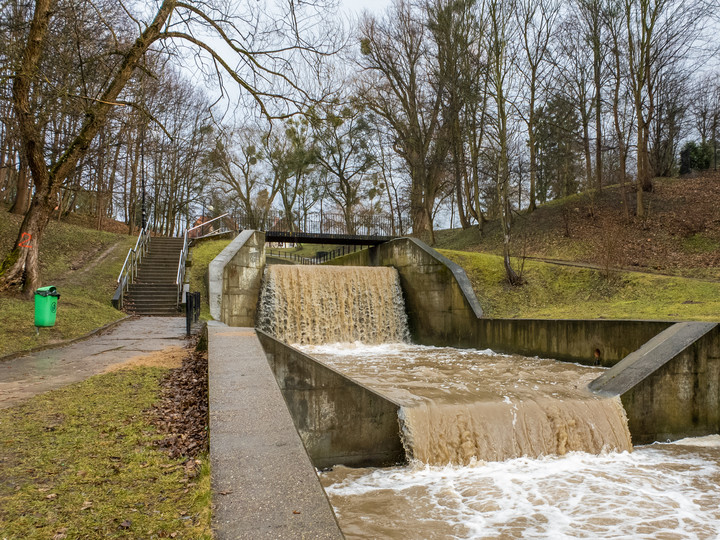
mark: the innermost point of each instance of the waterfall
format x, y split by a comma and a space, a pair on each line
457, 405
439, 434
317, 304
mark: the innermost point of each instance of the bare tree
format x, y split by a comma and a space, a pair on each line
500, 39
537, 20
659, 35
401, 87
259, 68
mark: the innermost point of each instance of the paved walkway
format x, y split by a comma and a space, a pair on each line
264, 485
26, 376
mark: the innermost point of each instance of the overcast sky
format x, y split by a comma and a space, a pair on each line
374, 6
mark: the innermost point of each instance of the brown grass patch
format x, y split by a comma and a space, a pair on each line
170, 358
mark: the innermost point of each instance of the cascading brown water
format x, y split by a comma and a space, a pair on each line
465, 405
457, 405
316, 304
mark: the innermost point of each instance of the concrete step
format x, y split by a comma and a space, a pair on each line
137, 301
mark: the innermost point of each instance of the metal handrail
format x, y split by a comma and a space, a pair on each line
180, 278
129, 273
207, 222
327, 256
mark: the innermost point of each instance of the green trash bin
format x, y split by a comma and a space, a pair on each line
46, 299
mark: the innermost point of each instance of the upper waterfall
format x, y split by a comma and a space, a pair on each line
332, 304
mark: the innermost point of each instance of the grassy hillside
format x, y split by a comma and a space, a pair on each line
679, 236
202, 254
83, 264
561, 292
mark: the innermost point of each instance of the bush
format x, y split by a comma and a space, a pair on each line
694, 156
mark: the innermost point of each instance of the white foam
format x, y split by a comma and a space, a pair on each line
650, 493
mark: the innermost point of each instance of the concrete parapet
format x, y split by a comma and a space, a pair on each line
263, 483
670, 387
566, 339
235, 278
340, 421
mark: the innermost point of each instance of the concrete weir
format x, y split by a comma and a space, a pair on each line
271, 405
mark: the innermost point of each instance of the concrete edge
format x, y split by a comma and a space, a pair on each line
458, 273
326, 366
256, 455
340, 420
215, 271
651, 356
67, 342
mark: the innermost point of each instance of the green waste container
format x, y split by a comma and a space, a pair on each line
46, 299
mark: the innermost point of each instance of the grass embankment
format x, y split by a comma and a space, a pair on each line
679, 235
567, 293
82, 462
83, 264
202, 255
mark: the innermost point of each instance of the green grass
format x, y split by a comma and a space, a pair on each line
83, 264
81, 462
699, 243
561, 292
202, 255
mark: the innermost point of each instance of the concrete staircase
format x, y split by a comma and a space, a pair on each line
154, 291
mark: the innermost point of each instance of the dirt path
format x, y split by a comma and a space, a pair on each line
134, 341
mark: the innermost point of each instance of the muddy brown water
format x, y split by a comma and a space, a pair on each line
501, 446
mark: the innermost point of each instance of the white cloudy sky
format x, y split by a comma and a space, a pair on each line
375, 6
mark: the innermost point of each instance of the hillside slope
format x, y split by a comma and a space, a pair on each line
680, 235
83, 264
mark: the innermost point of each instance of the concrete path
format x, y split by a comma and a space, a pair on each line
263, 483
26, 376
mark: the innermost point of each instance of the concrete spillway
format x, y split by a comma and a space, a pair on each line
504, 416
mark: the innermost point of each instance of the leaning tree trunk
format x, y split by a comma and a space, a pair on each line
21, 265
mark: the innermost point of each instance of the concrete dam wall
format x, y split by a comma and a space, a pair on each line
442, 310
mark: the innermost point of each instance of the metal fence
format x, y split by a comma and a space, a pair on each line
317, 223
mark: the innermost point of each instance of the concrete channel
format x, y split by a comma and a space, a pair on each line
264, 449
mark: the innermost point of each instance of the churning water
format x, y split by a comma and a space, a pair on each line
662, 491
501, 446
525, 452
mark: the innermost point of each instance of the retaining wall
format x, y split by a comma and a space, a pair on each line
340, 421
235, 278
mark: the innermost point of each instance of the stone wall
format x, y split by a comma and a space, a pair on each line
340, 421
235, 278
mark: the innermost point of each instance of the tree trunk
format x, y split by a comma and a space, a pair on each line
21, 265
22, 193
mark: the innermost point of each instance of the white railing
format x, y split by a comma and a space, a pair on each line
129, 269
179, 280
208, 223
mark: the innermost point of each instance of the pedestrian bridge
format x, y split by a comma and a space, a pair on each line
315, 228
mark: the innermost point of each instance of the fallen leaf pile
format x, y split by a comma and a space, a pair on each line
182, 413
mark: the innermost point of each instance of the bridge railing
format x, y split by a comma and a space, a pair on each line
318, 223
319, 258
